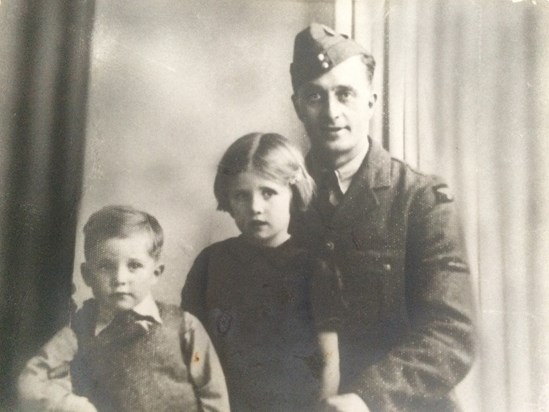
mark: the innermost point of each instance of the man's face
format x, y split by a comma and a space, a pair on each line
336, 108
121, 271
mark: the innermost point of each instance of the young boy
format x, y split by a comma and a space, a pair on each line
123, 350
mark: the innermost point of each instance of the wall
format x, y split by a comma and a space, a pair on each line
172, 84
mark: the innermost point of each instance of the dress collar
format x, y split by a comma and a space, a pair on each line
278, 256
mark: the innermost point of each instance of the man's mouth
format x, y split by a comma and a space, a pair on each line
334, 129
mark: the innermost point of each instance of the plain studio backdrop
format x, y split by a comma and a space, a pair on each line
133, 102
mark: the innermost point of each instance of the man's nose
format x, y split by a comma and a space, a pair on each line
331, 107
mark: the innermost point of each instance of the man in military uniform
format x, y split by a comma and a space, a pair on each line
406, 334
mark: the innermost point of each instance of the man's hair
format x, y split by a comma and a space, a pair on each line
272, 156
120, 222
370, 64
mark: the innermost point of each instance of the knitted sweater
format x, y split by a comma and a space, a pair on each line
168, 366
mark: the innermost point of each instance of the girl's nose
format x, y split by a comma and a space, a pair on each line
257, 203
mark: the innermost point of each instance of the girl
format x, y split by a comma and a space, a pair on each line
268, 304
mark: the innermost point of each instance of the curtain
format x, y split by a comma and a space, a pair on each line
44, 70
463, 92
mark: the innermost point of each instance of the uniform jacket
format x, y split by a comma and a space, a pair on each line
406, 338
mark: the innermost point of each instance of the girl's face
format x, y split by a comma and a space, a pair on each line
260, 208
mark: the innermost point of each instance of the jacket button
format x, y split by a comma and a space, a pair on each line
387, 267
330, 245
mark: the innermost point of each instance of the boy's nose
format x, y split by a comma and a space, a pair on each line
120, 276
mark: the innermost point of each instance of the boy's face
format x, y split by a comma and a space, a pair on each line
121, 272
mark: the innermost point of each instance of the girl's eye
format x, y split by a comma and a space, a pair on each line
239, 196
268, 193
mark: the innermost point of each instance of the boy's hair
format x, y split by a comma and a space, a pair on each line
270, 155
121, 221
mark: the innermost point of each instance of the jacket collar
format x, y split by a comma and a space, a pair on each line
374, 173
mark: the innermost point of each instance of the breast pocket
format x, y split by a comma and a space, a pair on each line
373, 285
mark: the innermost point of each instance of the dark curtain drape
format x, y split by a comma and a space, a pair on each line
44, 71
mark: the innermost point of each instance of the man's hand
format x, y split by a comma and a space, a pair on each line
348, 402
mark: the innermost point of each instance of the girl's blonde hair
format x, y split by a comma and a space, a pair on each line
272, 156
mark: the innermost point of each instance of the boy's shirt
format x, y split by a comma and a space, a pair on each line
147, 308
45, 384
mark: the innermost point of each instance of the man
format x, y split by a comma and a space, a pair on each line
406, 335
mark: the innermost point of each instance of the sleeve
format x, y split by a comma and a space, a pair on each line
204, 366
438, 351
44, 383
325, 294
193, 295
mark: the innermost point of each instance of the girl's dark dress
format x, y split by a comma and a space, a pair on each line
257, 304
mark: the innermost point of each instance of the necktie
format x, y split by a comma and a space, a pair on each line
129, 325
329, 193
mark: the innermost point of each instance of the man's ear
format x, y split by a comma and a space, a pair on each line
373, 100
159, 269
86, 273
295, 101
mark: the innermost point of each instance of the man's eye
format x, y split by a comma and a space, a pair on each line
345, 95
314, 98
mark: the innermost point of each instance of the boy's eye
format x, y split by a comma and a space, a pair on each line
135, 265
103, 267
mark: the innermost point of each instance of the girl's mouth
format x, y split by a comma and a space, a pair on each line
258, 223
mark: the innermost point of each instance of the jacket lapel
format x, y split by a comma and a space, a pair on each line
360, 199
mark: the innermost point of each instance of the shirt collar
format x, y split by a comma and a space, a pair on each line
346, 171
147, 307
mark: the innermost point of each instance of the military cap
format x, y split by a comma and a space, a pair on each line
317, 49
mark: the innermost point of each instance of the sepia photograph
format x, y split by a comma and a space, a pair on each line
274, 205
